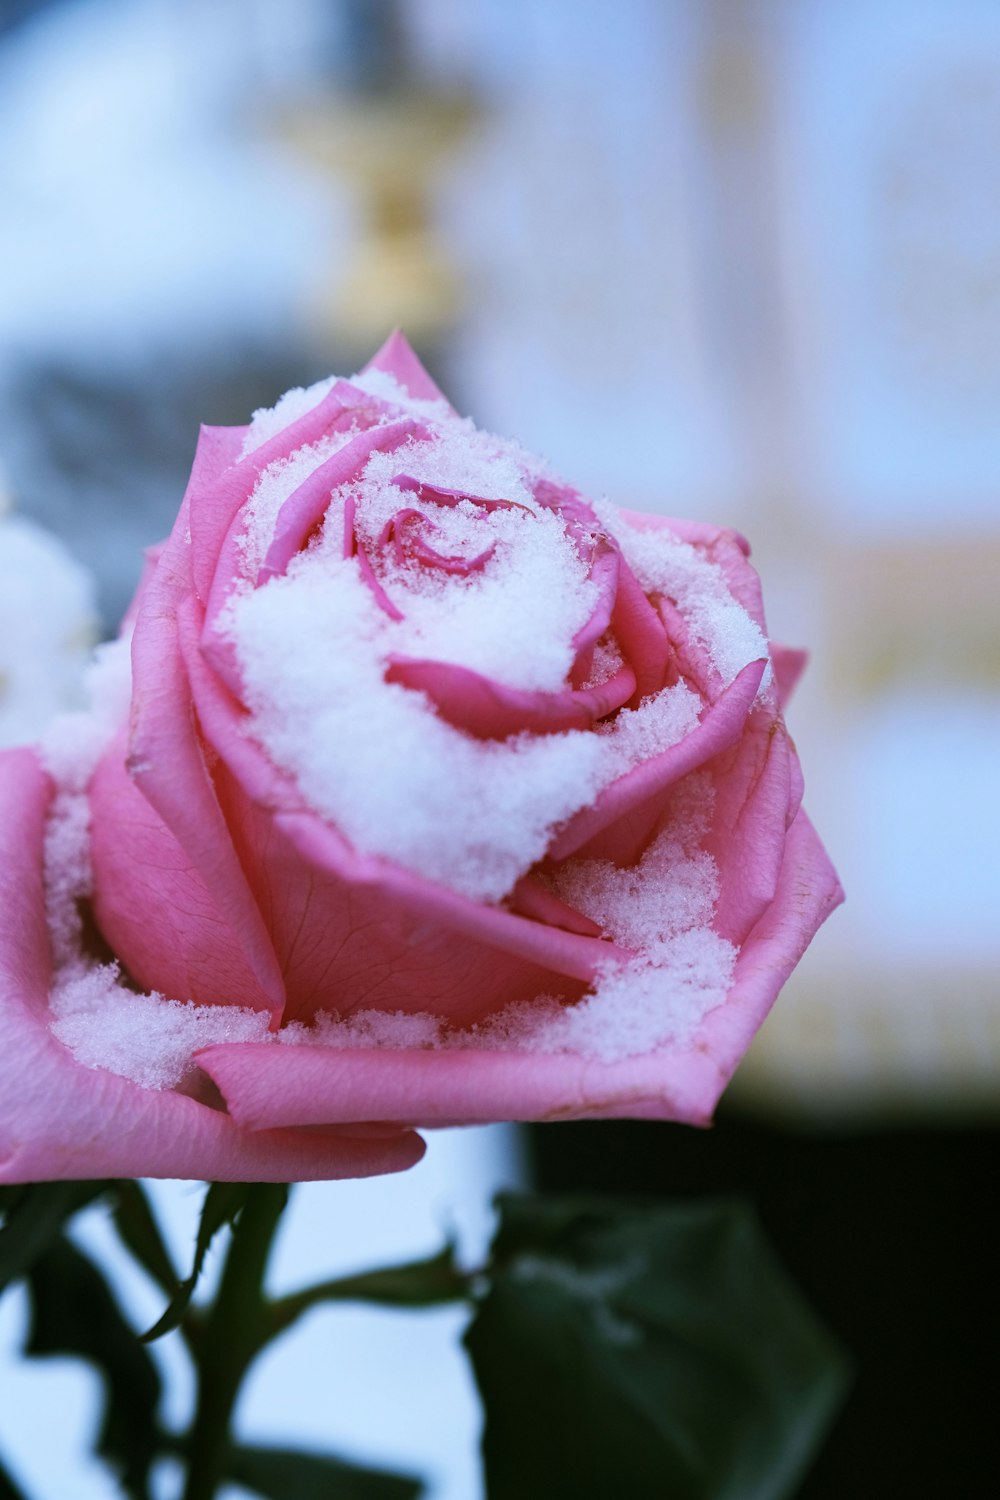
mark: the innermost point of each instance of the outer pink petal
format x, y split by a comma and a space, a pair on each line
311, 1085
789, 665
153, 906
625, 810
167, 764
61, 1120
727, 548
396, 358
756, 798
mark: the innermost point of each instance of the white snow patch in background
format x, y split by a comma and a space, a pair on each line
48, 621
70, 749
74, 742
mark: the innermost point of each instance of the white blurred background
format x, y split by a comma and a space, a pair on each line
733, 259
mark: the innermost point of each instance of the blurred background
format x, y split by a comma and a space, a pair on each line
731, 259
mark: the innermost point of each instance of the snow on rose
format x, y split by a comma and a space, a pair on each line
418, 790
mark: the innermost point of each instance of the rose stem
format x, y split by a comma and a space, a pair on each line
231, 1337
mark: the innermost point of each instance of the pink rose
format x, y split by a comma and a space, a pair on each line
443, 796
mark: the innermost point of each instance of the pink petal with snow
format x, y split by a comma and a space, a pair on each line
313, 1084
61, 1120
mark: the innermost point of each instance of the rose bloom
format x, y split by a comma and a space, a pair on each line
418, 790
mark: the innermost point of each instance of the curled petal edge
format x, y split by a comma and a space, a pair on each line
60, 1120
310, 1085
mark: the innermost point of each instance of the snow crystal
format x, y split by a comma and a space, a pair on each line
269, 420
275, 485
72, 745
376, 759
515, 618
666, 565
636, 735
397, 1029
146, 1038
104, 1023
661, 909
386, 387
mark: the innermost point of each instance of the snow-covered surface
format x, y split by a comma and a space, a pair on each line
47, 626
374, 757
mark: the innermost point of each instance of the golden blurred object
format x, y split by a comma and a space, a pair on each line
923, 607
876, 1043
390, 146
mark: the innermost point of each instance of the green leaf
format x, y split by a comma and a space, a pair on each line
74, 1313
649, 1351
418, 1283
222, 1205
33, 1219
283, 1474
8, 1489
140, 1233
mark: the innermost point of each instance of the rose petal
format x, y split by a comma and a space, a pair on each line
619, 804
640, 634
61, 1120
755, 801
166, 762
396, 358
331, 909
533, 899
440, 494
305, 507
492, 711
221, 482
313, 1084
720, 545
153, 906
789, 665
603, 573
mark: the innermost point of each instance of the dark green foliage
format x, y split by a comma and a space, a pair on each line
649, 1351
8, 1489
282, 1474
33, 1219
74, 1313
223, 1203
140, 1233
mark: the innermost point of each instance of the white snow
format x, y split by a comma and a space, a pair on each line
666, 565
48, 621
